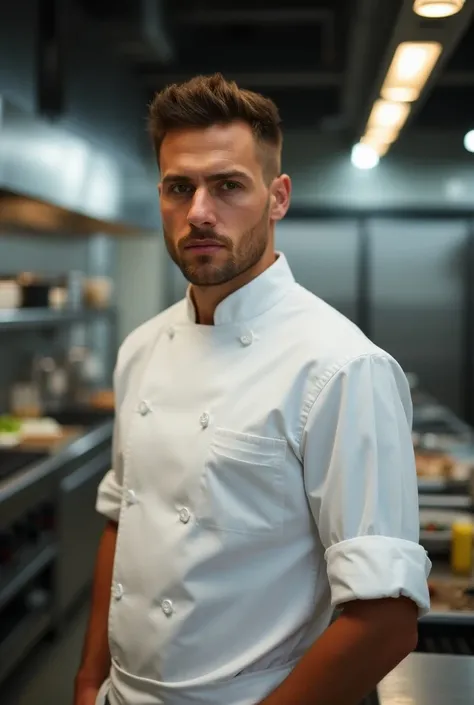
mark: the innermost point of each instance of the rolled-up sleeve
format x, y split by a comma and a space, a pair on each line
361, 483
109, 496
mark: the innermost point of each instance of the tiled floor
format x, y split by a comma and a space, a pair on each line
47, 676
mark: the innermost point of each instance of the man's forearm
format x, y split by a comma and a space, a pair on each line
95, 663
354, 654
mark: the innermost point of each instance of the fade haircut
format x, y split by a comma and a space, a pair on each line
204, 101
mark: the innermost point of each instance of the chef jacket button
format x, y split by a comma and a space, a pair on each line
143, 408
117, 591
246, 339
184, 515
204, 420
130, 497
171, 332
167, 607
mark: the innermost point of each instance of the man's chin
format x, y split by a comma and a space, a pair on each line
200, 280
206, 275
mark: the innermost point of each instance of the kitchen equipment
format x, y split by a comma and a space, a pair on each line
84, 370
25, 400
75, 289
98, 292
103, 399
35, 290
461, 547
58, 298
10, 294
436, 529
51, 380
75, 362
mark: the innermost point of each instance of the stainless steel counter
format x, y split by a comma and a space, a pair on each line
429, 679
59, 560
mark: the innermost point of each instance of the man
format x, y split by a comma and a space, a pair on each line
263, 471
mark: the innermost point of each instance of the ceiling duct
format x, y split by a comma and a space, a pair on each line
141, 32
52, 179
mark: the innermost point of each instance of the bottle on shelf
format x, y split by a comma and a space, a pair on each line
462, 548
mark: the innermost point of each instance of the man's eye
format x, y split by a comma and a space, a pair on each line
230, 185
180, 188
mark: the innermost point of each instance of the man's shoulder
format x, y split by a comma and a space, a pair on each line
325, 332
325, 342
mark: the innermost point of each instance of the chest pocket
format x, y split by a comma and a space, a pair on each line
242, 488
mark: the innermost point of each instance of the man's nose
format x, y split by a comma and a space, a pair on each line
202, 213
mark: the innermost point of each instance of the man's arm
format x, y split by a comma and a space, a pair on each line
361, 485
364, 644
95, 663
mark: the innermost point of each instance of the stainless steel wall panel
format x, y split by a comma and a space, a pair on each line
323, 255
417, 299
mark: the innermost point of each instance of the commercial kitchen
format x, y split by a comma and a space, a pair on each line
377, 101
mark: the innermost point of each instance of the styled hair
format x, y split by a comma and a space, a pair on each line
204, 101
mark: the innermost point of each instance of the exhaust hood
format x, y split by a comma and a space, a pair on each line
52, 179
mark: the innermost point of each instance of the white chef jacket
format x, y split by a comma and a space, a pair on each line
263, 473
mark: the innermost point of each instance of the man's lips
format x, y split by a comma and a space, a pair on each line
204, 246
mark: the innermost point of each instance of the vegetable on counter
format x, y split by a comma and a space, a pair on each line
9, 424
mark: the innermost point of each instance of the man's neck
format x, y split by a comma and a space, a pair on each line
207, 298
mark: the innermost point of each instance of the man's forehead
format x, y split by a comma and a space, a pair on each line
224, 142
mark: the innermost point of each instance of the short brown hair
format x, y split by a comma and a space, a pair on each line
204, 101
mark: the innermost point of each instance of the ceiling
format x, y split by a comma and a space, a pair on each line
321, 60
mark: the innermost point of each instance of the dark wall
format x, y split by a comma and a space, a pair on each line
425, 171
17, 51
103, 100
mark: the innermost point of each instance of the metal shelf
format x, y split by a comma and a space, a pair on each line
31, 563
440, 485
31, 318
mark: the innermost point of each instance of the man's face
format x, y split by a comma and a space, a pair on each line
216, 208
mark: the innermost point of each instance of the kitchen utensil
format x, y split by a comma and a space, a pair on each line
98, 292
25, 400
10, 294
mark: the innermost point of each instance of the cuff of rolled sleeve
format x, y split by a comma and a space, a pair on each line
376, 567
109, 497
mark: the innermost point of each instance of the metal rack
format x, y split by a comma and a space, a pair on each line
37, 318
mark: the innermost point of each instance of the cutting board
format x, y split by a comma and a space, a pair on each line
51, 443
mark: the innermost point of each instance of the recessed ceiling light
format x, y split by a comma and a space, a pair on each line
364, 157
438, 8
469, 141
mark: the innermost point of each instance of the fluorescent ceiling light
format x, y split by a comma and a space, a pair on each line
437, 8
389, 114
364, 157
380, 146
386, 135
411, 67
469, 141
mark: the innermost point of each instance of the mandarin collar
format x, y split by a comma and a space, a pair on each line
253, 299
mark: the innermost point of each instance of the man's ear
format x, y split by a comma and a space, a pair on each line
280, 197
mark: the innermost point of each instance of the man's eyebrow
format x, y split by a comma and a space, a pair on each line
220, 176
